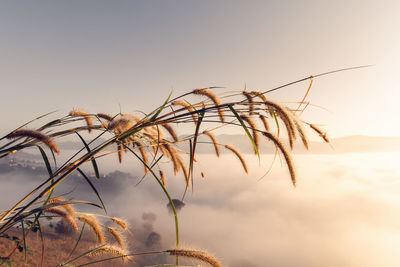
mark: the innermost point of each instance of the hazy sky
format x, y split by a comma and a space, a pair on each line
96, 55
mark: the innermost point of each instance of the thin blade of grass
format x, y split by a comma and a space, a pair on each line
42, 240
47, 206
165, 192
95, 168
77, 241
156, 161
308, 90
54, 158
277, 122
23, 236
48, 188
93, 188
82, 255
152, 165
46, 161
191, 156
161, 108
246, 130
192, 151
23, 125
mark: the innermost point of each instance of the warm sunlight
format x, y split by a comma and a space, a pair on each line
199, 133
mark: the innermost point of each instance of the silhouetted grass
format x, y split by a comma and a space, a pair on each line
148, 139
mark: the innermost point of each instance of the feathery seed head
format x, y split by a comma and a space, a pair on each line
66, 217
286, 155
85, 115
320, 132
122, 223
113, 250
195, 254
35, 135
214, 99
250, 101
94, 225
117, 235
239, 155
104, 116
67, 207
214, 140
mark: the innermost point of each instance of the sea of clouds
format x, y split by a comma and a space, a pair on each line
343, 212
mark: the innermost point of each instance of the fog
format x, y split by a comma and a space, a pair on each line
343, 212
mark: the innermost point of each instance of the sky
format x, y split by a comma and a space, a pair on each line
103, 55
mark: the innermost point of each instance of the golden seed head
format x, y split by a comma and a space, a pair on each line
239, 155
195, 254
95, 226
35, 135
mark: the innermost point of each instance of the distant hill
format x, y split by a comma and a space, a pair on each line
356, 143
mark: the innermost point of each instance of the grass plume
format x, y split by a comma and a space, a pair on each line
239, 155
104, 116
171, 131
214, 99
195, 254
250, 101
186, 105
286, 117
65, 215
110, 250
320, 132
253, 128
67, 207
214, 140
37, 136
285, 153
95, 226
163, 179
120, 222
85, 115
117, 235
265, 122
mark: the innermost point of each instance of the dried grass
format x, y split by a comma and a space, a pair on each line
171, 131
253, 128
120, 222
301, 131
104, 116
172, 153
117, 235
163, 179
64, 214
37, 136
250, 101
195, 254
265, 122
95, 226
214, 99
286, 117
320, 132
113, 250
184, 169
187, 106
285, 153
85, 115
214, 140
119, 151
239, 155
67, 207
